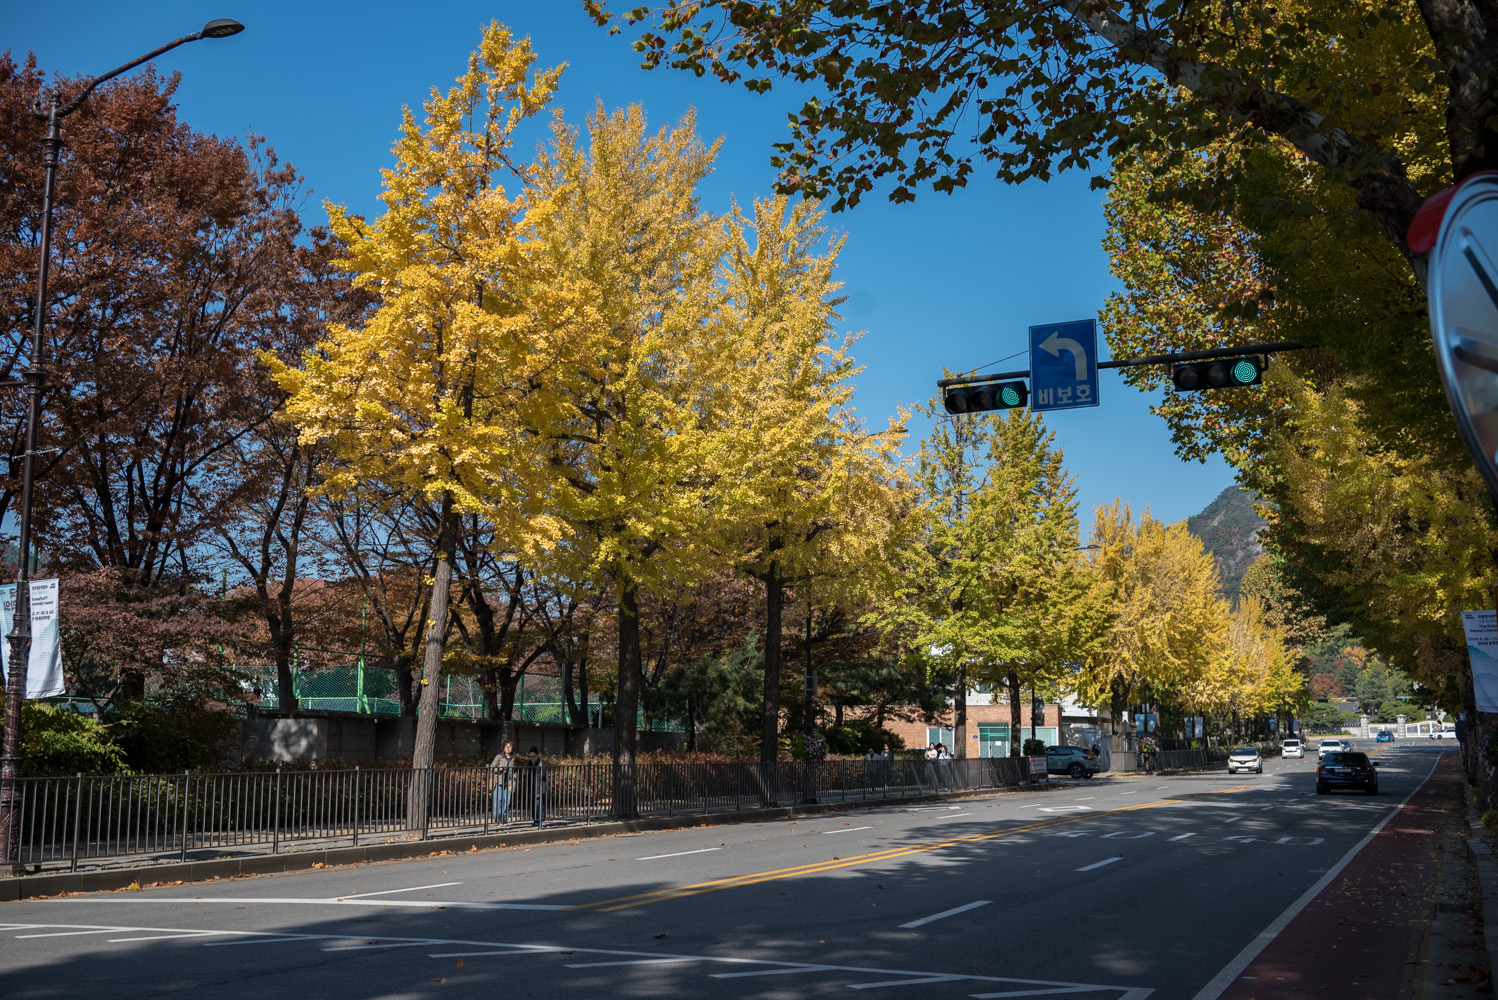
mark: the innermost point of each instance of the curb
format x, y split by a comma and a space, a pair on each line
1486, 864
37, 886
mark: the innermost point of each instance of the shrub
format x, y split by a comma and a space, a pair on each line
179, 734
56, 740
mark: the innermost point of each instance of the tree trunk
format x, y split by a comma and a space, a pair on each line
1011, 682
959, 711
769, 725
1037, 710
487, 696
424, 753
285, 683
627, 704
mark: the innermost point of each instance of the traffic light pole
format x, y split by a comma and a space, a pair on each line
1153, 359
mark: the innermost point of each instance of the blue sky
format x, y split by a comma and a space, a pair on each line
948, 280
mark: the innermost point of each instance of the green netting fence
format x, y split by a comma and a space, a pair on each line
371, 690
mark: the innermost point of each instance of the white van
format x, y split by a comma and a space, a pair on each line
1292, 748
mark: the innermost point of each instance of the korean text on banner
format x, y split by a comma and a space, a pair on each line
1482, 647
44, 665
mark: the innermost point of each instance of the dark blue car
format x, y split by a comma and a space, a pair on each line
1385, 736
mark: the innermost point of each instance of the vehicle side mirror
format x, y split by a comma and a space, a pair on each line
1376, 763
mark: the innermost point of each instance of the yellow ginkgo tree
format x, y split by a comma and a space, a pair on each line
637, 451
1168, 626
430, 397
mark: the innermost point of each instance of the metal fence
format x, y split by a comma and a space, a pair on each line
96, 820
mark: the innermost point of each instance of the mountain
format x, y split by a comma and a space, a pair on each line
1229, 529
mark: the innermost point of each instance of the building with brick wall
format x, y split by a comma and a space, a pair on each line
988, 726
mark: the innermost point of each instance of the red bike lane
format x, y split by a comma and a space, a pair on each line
1363, 936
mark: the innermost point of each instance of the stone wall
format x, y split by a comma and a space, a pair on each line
359, 738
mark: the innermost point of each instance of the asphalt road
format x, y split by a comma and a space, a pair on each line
1108, 889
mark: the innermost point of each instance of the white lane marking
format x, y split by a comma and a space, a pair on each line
946, 913
106, 930
386, 892
1232, 819
1099, 864
1066, 809
430, 904
1158, 787
1181, 837
774, 972
953, 815
378, 944
954, 808
678, 854
632, 961
906, 982
1265, 808
277, 939
509, 949
1135, 792
1230, 972
169, 937
1086, 797
855, 829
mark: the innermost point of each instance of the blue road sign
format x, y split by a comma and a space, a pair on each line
1063, 365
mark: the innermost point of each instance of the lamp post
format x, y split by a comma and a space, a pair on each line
33, 381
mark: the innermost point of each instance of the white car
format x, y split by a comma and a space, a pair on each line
1331, 746
1443, 734
1292, 748
1245, 759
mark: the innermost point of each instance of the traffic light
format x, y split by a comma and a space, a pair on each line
986, 396
1224, 373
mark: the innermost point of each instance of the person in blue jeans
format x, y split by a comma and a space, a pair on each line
504, 766
535, 778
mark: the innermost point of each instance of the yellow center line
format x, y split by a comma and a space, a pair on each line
756, 878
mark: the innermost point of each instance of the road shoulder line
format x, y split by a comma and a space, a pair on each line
1230, 972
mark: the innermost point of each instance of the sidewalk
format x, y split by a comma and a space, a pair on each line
1404, 919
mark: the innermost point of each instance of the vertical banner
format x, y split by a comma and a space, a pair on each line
44, 665
1482, 648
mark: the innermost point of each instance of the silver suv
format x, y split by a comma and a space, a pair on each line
1078, 762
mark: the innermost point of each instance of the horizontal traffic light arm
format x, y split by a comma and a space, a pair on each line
1153, 359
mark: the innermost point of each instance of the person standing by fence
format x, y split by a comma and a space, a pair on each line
503, 765
535, 774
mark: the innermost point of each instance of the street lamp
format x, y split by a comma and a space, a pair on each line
20, 634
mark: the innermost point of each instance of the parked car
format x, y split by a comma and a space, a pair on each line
1292, 748
1079, 762
1331, 746
1346, 769
1245, 759
1443, 734
1385, 736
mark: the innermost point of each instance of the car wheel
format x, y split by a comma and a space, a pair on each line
1320, 788
1260, 770
1373, 789
1075, 770
1088, 774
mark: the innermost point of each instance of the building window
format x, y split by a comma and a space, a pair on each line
942, 736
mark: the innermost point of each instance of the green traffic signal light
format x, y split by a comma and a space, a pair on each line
985, 396
1223, 374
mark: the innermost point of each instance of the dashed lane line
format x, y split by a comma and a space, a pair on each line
944, 914
755, 878
679, 854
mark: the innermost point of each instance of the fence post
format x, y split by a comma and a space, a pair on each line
356, 805
186, 783
426, 797
275, 837
77, 817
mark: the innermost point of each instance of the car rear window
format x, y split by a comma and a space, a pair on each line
1291, 744
1347, 759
